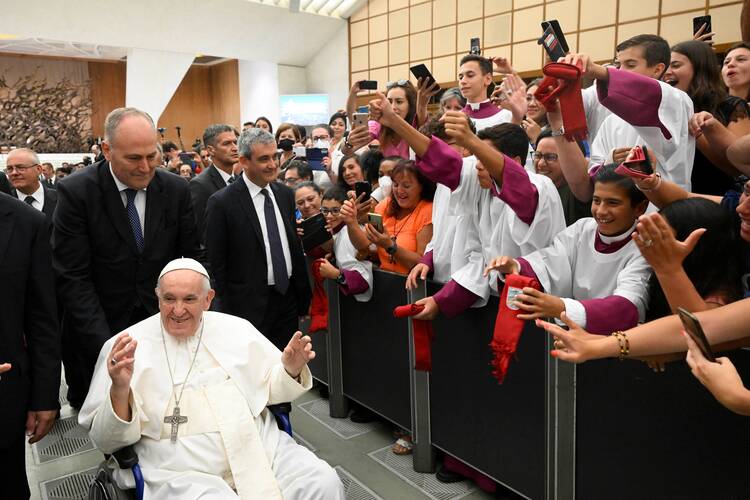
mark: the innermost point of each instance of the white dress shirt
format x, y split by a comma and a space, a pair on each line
140, 199
38, 196
258, 201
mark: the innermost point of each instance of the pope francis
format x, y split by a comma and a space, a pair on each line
190, 388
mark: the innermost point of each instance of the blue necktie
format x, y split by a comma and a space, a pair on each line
135, 221
280, 277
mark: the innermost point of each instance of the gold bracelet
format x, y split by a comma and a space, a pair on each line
623, 342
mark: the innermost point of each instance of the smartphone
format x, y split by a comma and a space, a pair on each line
299, 151
421, 71
314, 232
694, 329
551, 43
187, 159
368, 85
475, 48
700, 21
315, 157
376, 220
363, 187
360, 119
557, 30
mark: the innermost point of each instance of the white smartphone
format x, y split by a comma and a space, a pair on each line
359, 119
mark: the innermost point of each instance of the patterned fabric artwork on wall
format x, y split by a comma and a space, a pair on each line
46, 111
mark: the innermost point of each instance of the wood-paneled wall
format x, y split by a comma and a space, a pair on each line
107, 91
206, 95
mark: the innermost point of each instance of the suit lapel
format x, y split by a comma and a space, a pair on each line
6, 225
50, 200
113, 206
155, 205
216, 178
242, 194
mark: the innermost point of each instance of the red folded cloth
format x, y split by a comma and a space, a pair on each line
563, 82
319, 303
507, 326
422, 336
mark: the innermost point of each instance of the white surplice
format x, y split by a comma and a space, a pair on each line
230, 446
491, 223
346, 258
571, 268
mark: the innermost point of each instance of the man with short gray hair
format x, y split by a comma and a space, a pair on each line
256, 258
23, 169
117, 224
220, 140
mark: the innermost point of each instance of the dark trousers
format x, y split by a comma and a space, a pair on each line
13, 460
281, 319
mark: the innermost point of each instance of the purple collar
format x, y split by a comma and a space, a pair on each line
484, 109
611, 244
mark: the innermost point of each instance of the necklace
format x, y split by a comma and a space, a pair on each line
175, 418
392, 257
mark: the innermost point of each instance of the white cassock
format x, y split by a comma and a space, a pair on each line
485, 114
346, 260
651, 112
494, 224
573, 269
445, 254
230, 446
595, 112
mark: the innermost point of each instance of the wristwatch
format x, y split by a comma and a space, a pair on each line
558, 133
341, 279
391, 250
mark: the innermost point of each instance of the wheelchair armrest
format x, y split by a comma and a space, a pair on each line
126, 457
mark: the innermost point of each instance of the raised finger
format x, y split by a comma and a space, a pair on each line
530, 317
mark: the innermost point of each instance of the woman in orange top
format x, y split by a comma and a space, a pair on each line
407, 220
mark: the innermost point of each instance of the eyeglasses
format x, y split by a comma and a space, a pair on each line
291, 180
548, 157
321, 138
332, 211
398, 83
19, 168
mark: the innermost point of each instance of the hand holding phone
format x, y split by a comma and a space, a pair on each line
368, 85
376, 221
362, 188
702, 27
695, 331
421, 71
360, 119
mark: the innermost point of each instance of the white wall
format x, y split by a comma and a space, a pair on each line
259, 90
328, 71
292, 80
228, 28
150, 94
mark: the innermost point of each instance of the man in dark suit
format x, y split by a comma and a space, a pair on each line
48, 175
221, 142
23, 169
5, 186
29, 339
256, 258
117, 224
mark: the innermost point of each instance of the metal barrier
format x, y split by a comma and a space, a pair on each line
552, 430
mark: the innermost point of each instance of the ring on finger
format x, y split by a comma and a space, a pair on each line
648, 243
113, 361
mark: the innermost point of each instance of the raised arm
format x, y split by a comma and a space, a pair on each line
714, 139
572, 162
381, 111
739, 153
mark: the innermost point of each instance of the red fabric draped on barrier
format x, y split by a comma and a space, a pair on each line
319, 304
563, 82
507, 326
422, 336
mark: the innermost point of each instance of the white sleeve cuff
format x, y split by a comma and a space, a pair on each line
575, 311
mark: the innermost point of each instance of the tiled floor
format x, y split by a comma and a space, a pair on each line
61, 465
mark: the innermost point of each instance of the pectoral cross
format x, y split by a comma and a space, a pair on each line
175, 419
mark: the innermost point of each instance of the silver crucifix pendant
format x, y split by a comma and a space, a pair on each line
175, 419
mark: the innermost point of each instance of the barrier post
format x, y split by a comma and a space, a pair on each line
339, 405
419, 386
561, 427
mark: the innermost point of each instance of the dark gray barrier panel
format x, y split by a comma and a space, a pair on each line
642, 434
375, 350
497, 429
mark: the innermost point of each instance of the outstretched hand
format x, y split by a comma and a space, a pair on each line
503, 264
515, 97
658, 245
297, 353
420, 271
574, 345
381, 110
457, 127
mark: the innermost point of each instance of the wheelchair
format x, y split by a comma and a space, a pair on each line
103, 486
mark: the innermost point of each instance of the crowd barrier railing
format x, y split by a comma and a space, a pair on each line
552, 430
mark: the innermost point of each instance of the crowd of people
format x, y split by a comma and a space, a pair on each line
626, 200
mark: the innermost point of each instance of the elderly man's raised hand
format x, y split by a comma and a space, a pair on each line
121, 360
297, 353
457, 126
